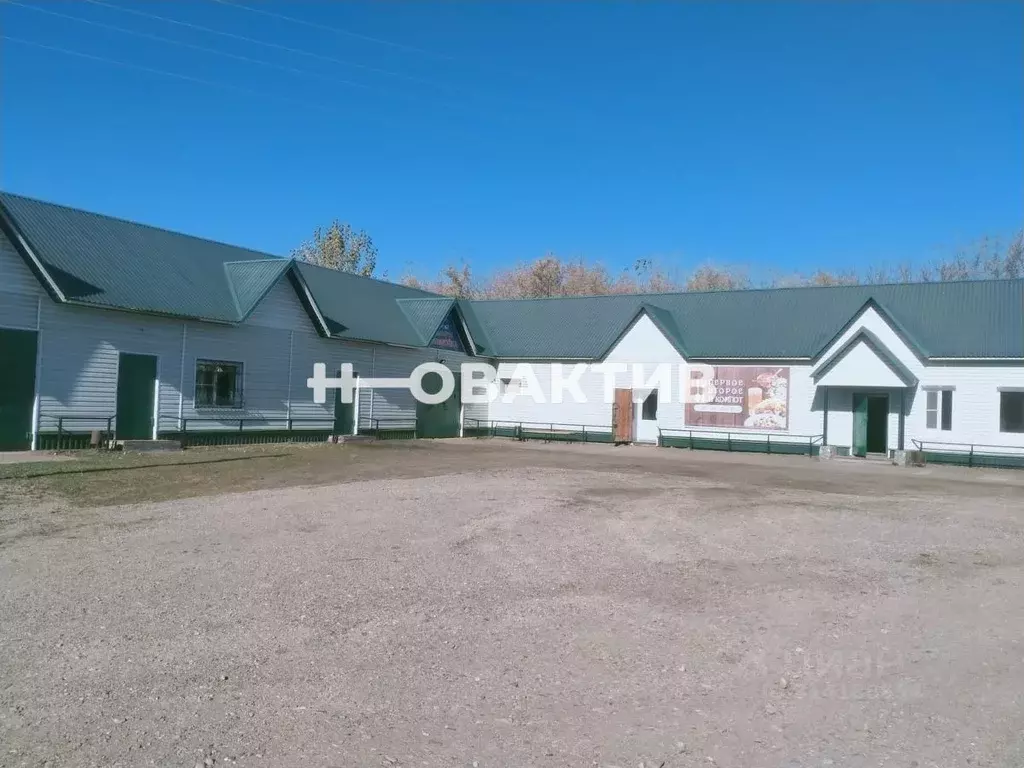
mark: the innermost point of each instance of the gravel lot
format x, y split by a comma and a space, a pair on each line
486, 603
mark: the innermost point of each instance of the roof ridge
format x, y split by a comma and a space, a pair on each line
427, 294
153, 227
231, 290
766, 289
256, 261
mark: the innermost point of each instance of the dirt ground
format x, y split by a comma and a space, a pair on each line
489, 603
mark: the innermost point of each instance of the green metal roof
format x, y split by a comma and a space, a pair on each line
970, 319
250, 281
117, 264
426, 315
877, 346
362, 308
95, 259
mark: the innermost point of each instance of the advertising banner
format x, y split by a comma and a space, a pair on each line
746, 397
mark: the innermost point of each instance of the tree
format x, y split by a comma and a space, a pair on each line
550, 276
712, 278
340, 247
455, 281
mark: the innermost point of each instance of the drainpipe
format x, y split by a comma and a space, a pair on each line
355, 407
181, 381
288, 400
903, 416
36, 404
373, 372
824, 428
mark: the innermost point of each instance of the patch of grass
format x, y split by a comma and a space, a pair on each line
104, 478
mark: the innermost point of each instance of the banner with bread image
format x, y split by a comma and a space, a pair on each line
746, 397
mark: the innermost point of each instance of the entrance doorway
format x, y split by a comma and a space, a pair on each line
17, 388
442, 419
870, 423
344, 414
136, 396
622, 416
647, 424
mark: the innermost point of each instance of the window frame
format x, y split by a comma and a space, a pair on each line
938, 415
239, 390
1016, 393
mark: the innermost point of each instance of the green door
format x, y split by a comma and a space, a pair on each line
17, 389
860, 424
441, 420
878, 424
136, 388
344, 415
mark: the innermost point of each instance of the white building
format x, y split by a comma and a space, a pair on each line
156, 333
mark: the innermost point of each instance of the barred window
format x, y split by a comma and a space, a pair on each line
218, 384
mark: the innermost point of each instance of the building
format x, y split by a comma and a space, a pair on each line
105, 322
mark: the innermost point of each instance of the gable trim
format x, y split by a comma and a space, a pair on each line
306, 297
877, 346
471, 347
25, 250
243, 316
645, 309
897, 328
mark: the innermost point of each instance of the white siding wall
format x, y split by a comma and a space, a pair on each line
975, 404
642, 348
278, 346
19, 290
15, 276
79, 351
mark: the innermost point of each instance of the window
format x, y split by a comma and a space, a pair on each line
1011, 411
939, 409
649, 411
218, 384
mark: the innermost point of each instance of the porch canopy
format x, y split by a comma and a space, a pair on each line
863, 361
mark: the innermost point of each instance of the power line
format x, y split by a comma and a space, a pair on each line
276, 46
163, 72
337, 30
203, 48
475, 105
262, 95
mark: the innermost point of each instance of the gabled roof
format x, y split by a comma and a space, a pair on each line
426, 314
881, 351
362, 308
969, 319
108, 262
250, 281
97, 260
874, 305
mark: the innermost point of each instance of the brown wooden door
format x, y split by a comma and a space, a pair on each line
622, 416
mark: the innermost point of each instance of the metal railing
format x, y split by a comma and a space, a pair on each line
233, 431
548, 431
67, 436
971, 454
260, 422
393, 427
726, 440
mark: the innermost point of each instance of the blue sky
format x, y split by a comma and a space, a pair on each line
779, 136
